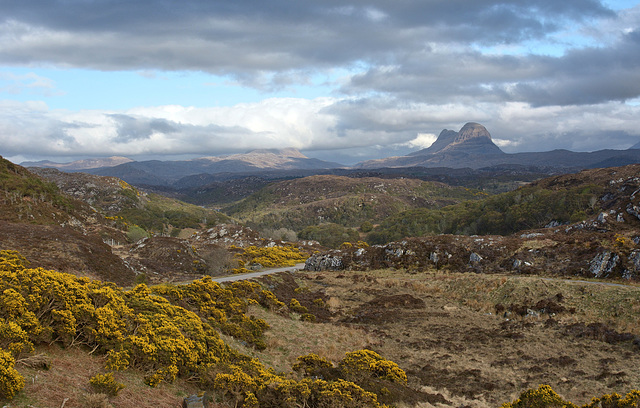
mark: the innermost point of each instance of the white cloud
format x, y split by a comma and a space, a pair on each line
422, 141
323, 124
31, 83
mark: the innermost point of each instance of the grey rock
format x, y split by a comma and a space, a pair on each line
474, 258
195, 401
326, 262
634, 261
633, 210
603, 264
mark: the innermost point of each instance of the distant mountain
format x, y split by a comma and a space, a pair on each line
635, 146
473, 138
80, 164
472, 147
164, 173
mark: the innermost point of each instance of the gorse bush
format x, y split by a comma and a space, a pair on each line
361, 364
165, 331
105, 384
545, 397
137, 328
288, 255
11, 382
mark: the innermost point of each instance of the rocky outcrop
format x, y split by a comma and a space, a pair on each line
604, 264
574, 251
328, 262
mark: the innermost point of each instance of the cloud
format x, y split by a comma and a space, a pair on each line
27, 83
422, 141
130, 128
539, 75
247, 38
346, 129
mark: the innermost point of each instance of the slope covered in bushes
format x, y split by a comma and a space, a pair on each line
168, 332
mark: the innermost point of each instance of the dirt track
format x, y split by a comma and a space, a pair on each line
253, 275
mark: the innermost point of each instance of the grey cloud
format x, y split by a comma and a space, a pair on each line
191, 139
582, 76
588, 76
416, 50
248, 37
131, 128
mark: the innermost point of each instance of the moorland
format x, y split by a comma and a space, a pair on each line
416, 291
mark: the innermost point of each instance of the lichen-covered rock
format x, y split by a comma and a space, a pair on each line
604, 264
320, 262
633, 210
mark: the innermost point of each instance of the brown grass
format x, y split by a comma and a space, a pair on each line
457, 346
68, 379
289, 338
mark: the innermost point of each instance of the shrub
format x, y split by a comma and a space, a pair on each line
296, 307
269, 256
11, 382
105, 384
366, 227
541, 397
329, 234
362, 364
136, 233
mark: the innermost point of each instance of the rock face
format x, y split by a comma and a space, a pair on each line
473, 138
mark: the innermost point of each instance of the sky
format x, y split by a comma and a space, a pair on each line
340, 81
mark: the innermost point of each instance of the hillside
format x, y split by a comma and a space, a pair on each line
299, 203
167, 173
80, 164
55, 230
548, 202
28, 198
103, 228
603, 243
117, 199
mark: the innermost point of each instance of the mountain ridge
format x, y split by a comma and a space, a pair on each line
472, 147
472, 138
83, 164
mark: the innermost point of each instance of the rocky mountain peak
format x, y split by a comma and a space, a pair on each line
473, 138
471, 131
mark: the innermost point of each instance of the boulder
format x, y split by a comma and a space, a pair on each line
195, 401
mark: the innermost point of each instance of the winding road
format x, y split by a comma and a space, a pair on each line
269, 271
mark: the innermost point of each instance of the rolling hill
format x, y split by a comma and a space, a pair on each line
347, 201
